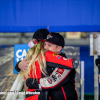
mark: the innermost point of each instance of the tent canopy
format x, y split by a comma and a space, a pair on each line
58, 15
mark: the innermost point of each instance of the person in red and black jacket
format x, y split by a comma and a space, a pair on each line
54, 63
61, 83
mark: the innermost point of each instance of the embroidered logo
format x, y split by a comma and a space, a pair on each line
54, 54
59, 57
49, 80
54, 77
59, 75
59, 70
65, 58
49, 36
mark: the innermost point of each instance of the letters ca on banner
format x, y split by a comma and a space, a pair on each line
20, 52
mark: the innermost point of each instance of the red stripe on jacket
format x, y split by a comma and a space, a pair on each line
63, 93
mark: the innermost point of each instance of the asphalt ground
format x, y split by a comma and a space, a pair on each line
6, 70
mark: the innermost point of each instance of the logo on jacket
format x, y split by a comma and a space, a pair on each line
54, 77
59, 70
54, 54
49, 80
57, 74
49, 36
59, 57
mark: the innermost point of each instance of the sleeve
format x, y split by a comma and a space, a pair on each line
53, 60
56, 79
16, 67
32, 83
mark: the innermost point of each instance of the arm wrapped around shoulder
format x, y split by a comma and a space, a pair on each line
32, 83
54, 60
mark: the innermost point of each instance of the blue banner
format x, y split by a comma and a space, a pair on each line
58, 15
20, 51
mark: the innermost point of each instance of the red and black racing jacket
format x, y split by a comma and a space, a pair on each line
61, 82
61, 86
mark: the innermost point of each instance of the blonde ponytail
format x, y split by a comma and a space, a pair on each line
33, 54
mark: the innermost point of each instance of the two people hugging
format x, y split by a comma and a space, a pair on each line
47, 70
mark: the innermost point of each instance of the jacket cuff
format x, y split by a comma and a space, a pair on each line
16, 67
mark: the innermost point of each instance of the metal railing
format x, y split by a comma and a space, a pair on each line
16, 87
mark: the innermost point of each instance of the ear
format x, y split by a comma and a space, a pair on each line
59, 48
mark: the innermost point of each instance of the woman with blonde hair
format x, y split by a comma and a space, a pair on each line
37, 66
